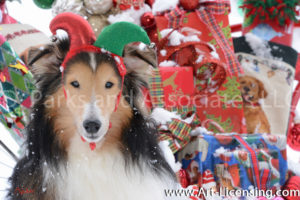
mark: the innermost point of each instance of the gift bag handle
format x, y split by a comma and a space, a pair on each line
254, 160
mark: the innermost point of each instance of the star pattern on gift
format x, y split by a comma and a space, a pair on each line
171, 81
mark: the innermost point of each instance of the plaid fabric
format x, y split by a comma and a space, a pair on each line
178, 133
254, 160
16, 86
218, 7
179, 129
175, 18
178, 136
156, 89
183, 110
232, 62
264, 178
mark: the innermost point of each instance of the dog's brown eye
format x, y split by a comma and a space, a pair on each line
75, 84
108, 84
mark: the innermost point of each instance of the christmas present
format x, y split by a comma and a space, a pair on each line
271, 20
171, 94
178, 87
267, 84
16, 86
235, 162
196, 39
209, 21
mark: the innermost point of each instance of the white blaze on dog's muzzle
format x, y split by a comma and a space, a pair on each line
111, 41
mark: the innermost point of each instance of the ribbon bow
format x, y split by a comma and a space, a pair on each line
206, 14
177, 131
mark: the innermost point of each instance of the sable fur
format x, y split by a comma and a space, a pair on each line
139, 137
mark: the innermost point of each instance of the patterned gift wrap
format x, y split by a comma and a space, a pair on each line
16, 87
207, 47
172, 89
235, 162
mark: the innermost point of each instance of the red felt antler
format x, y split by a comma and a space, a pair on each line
79, 30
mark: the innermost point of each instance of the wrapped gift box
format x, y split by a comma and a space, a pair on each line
235, 161
16, 86
171, 95
202, 39
171, 88
192, 21
178, 84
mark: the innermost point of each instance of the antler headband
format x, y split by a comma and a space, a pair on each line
112, 39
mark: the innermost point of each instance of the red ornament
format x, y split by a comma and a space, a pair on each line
293, 184
293, 139
189, 4
2, 2
150, 2
115, 3
153, 35
124, 6
147, 20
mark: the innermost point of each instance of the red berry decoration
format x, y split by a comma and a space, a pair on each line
147, 20
189, 4
124, 6
293, 139
150, 2
153, 35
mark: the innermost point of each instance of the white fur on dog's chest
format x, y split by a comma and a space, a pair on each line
103, 176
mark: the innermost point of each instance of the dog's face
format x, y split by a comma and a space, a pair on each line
92, 84
91, 98
252, 89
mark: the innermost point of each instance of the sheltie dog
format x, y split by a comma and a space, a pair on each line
127, 162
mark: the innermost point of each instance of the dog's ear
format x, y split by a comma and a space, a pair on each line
262, 93
46, 60
139, 60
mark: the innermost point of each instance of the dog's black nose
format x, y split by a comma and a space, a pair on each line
246, 89
92, 126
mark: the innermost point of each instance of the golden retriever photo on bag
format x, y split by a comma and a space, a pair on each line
252, 91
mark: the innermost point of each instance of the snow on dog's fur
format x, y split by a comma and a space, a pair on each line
127, 162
